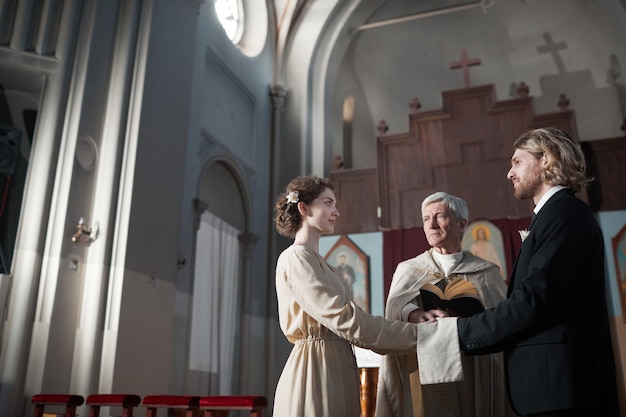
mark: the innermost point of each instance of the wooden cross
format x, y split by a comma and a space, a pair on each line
554, 49
465, 63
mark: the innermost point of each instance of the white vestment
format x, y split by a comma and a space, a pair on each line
482, 393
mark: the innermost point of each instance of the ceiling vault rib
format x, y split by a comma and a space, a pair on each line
484, 4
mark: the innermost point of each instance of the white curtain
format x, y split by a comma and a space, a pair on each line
213, 320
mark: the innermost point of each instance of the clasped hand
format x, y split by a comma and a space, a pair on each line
421, 316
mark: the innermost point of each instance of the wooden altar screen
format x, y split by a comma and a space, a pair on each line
464, 149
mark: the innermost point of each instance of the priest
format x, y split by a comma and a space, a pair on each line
443, 281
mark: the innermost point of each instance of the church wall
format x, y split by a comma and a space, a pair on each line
363, 153
229, 123
159, 170
145, 335
301, 60
138, 349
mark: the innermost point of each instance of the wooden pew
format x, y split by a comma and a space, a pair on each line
70, 402
126, 401
214, 404
188, 403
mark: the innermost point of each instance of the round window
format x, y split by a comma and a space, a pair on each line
230, 14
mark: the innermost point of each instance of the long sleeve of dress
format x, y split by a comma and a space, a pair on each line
306, 284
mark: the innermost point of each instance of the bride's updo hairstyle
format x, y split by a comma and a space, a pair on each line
306, 189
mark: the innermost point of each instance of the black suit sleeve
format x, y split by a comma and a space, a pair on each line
549, 277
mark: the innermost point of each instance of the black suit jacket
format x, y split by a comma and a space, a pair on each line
553, 326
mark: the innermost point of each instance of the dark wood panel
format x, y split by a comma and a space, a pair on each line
357, 195
606, 162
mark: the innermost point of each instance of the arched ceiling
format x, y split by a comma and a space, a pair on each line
302, 24
312, 37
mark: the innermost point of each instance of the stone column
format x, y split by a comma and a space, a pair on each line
109, 177
134, 38
278, 96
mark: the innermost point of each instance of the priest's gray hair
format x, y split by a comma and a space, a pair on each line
456, 205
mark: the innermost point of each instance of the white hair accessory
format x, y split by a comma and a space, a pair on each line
292, 197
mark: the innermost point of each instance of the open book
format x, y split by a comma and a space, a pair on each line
459, 296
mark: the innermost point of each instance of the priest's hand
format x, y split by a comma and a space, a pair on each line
421, 316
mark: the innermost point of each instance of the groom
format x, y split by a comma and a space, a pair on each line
553, 327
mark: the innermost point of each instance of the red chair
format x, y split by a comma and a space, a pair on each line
254, 403
70, 402
127, 401
189, 403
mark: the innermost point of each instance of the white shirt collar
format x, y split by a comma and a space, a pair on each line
547, 196
448, 261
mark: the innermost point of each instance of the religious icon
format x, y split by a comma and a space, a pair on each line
345, 270
619, 255
484, 239
352, 264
